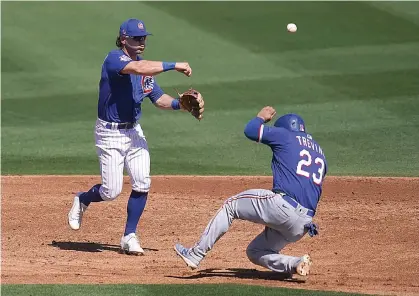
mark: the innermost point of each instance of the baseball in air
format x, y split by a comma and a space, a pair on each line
292, 28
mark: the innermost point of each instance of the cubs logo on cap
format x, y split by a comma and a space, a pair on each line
133, 27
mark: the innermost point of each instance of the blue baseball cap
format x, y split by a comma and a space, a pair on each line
133, 28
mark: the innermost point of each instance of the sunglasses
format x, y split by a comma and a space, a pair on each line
137, 38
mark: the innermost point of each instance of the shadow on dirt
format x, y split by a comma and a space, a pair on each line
88, 246
241, 273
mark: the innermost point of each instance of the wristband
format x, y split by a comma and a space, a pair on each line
168, 66
175, 104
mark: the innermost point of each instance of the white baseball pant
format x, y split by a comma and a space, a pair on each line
119, 148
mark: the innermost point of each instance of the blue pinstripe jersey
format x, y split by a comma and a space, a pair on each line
121, 95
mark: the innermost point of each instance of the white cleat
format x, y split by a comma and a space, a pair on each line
76, 213
130, 245
303, 267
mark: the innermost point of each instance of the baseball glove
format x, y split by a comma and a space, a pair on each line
193, 102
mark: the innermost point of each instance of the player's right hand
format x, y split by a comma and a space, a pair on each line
184, 68
267, 113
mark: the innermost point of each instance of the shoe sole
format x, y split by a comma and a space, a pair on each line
188, 262
132, 253
303, 268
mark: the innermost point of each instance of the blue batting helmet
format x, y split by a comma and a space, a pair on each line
291, 122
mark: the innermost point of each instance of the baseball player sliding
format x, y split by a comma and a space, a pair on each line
299, 168
126, 80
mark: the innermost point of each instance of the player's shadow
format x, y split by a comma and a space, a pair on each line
242, 273
90, 247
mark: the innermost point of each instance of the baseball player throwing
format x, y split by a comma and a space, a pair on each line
299, 168
126, 80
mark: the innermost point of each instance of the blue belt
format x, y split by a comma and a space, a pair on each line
126, 125
294, 203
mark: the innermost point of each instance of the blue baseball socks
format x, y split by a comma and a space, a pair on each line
92, 195
135, 208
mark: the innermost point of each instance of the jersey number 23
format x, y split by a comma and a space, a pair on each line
306, 162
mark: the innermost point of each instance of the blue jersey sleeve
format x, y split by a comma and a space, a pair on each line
252, 129
156, 93
255, 130
115, 62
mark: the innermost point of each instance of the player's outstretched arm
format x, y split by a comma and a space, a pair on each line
191, 101
167, 102
254, 128
152, 68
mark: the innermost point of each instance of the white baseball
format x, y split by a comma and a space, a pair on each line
292, 28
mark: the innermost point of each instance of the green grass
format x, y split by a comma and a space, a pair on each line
354, 82
173, 290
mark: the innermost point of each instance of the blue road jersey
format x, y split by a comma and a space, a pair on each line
298, 162
121, 95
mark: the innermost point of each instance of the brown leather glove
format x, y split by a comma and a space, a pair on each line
193, 102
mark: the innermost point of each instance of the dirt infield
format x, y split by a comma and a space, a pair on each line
368, 240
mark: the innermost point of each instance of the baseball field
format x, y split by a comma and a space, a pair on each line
351, 71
